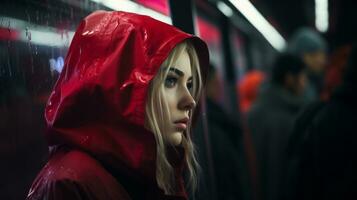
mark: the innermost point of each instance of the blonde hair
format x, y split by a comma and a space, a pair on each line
157, 111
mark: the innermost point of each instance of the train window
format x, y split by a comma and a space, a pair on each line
239, 54
34, 39
211, 34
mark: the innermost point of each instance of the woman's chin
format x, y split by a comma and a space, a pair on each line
176, 138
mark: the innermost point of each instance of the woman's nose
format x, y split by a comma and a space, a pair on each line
187, 102
191, 104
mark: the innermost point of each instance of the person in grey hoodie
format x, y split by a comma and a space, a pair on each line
312, 48
271, 119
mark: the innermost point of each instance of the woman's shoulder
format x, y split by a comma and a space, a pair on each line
75, 164
74, 174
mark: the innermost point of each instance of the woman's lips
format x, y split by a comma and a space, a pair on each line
181, 126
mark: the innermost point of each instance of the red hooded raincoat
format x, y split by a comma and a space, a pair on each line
99, 148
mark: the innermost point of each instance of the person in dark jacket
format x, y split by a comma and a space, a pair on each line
226, 143
311, 47
327, 156
119, 117
271, 120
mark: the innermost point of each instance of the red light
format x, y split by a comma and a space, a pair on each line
161, 6
9, 34
208, 31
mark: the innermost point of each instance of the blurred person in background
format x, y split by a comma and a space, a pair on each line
226, 142
271, 120
248, 89
323, 163
300, 135
335, 69
311, 47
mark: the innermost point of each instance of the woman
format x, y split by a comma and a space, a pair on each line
119, 117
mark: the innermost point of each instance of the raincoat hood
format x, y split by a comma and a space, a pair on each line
98, 102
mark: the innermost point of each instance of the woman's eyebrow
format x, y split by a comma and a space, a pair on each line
177, 71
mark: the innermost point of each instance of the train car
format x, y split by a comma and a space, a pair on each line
244, 39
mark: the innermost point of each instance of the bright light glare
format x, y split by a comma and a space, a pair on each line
39, 35
47, 38
129, 6
321, 15
260, 23
226, 10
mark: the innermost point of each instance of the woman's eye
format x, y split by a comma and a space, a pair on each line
190, 86
170, 82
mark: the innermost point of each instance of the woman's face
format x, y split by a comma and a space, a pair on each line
177, 92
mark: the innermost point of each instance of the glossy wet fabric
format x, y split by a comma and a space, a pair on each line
95, 114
